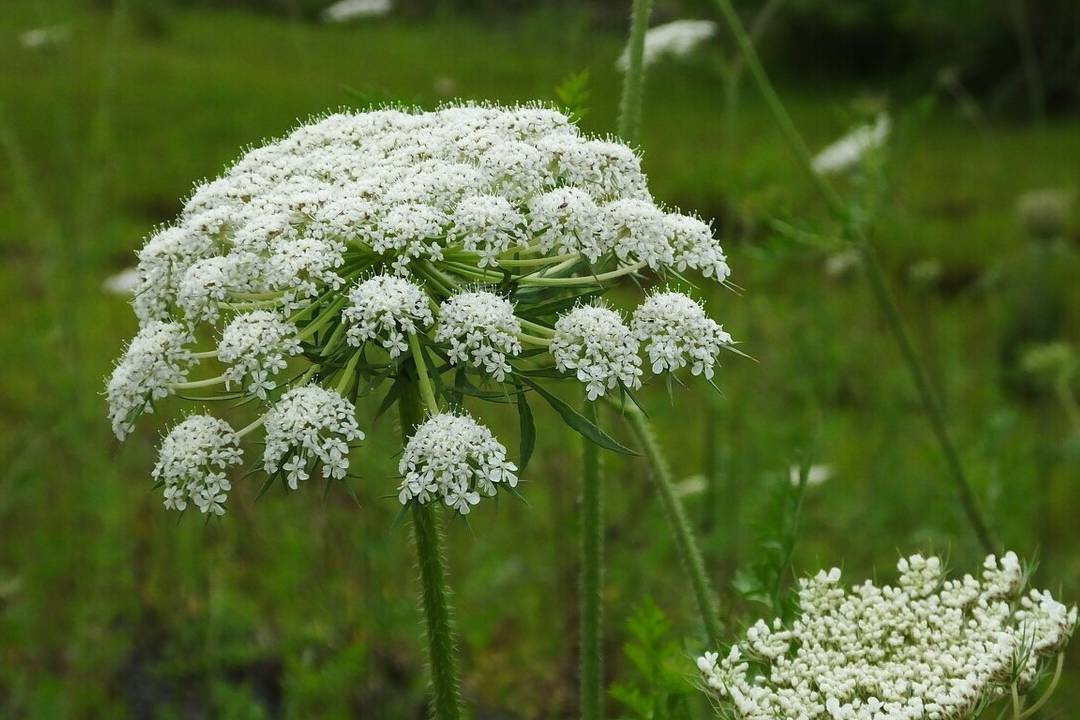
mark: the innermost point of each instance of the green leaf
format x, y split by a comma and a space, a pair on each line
577, 421
573, 94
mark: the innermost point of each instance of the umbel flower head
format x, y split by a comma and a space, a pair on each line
455, 459
928, 648
461, 250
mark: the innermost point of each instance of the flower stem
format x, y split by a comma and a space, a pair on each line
196, 384
427, 536
422, 378
931, 402
592, 550
685, 542
634, 80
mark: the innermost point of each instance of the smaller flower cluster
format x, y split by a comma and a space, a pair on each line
192, 464
480, 329
254, 346
155, 360
926, 649
594, 343
386, 308
309, 424
453, 458
677, 332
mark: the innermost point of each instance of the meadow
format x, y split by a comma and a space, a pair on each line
303, 605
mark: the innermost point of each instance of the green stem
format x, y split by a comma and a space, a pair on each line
442, 652
685, 542
195, 384
583, 280
592, 549
931, 401
875, 276
422, 377
634, 79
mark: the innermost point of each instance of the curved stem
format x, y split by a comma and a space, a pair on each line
875, 276
195, 384
347, 374
256, 424
439, 625
685, 542
634, 79
534, 341
584, 280
204, 355
1049, 688
541, 330
592, 549
540, 261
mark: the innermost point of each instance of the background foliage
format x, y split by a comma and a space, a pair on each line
304, 605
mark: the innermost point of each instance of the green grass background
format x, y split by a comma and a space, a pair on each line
303, 606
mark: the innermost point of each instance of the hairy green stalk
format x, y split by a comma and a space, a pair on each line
875, 276
629, 127
685, 542
592, 550
427, 535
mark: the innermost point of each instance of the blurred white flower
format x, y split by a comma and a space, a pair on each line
841, 263
815, 475
846, 152
124, 282
44, 36
677, 38
345, 10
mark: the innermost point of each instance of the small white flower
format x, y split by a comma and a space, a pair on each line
480, 329
453, 458
310, 424
637, 231
193, 458
155, 360
255, 346
695, 246
677, 333
567, 221
411, 231
594, 342
386, 309
815, 475
488, 225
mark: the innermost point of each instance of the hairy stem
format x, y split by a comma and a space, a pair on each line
634, 80
680, 526
442, 651
931, 402
592, 550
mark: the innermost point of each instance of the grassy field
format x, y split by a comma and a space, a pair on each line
303, 605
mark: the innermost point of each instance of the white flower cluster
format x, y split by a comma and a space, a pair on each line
386, 309
454, 458
366, 227
927, 649
677, 38
155, 359
193, 459
594, 343
309, 424
480, 329
677, 332
254, 346
406, 185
